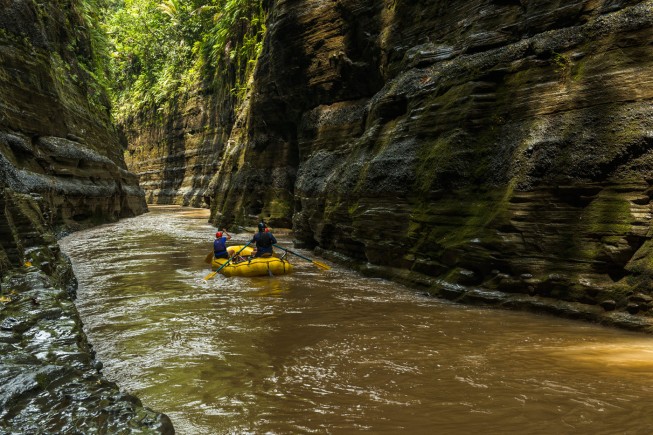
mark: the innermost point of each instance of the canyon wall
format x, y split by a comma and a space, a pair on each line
61, 169
496, 151
175, 154
57, 141
178, 128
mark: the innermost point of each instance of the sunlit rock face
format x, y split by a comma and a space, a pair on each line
61, 169
501, 145
175, 154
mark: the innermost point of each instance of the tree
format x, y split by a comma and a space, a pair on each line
159, 48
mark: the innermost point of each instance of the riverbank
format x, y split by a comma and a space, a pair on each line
50, 381
476, 295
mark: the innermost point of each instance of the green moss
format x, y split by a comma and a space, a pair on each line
414, 229
606, 221
433, 160
611, 240
561, 64
608, 215
462, 144
59, 69
642, 262
456, 219
520, 77
31, 211
578, 71
279, 207
337, 209
353, 208
42, 380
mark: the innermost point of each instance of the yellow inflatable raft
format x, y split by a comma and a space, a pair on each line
261, 266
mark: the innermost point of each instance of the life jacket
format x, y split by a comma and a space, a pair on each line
220, 246
264, 240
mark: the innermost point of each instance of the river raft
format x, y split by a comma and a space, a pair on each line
260, 266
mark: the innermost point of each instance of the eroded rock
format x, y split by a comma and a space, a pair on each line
478, 145
61, 169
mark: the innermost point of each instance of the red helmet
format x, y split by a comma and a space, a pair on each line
218, 234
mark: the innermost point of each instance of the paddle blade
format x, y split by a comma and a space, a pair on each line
321, 265
209, 258
210, 275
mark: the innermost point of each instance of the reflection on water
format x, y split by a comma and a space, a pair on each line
334, 352
633, 355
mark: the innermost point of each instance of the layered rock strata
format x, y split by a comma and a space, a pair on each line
176, 154
61, 169
56, 135
496, 151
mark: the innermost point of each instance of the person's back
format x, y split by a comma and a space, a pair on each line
220, 245
264, 241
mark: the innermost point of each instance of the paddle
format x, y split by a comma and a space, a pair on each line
212, 274
317, 263
209, 258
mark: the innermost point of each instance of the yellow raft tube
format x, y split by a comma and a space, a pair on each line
261, 266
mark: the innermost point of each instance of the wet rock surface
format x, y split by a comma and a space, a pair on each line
49, 379
504, 146
61, 169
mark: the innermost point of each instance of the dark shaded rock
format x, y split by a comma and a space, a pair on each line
633, 308
641, 298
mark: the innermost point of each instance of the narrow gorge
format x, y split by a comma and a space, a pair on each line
496, 152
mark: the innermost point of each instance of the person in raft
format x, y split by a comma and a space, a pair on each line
220, 244
264, 241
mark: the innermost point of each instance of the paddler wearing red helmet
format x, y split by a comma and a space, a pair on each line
220, 244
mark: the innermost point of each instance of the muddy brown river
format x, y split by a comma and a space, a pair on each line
335, 352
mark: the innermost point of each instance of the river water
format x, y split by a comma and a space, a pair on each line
334, 352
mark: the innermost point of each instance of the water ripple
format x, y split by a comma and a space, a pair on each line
334, 352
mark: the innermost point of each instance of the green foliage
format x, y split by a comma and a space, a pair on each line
235, 39
97, 62
562, 64
159, 49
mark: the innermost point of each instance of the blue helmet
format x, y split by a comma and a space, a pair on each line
261, 227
